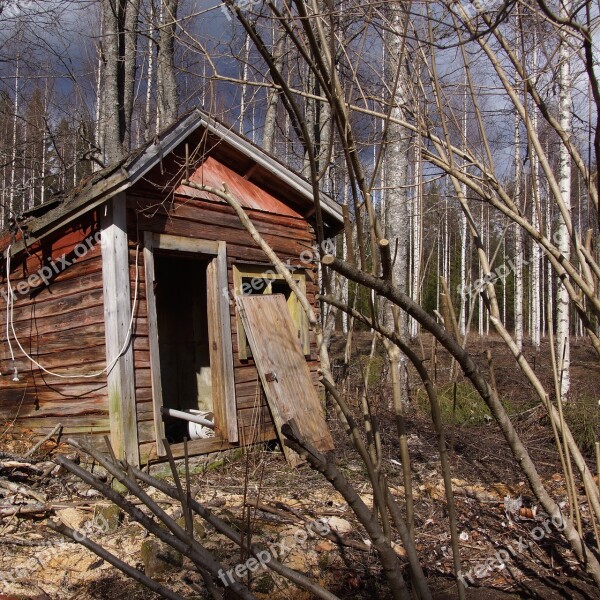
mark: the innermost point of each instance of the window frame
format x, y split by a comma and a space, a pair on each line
243, 271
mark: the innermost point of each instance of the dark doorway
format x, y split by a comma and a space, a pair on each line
183, 339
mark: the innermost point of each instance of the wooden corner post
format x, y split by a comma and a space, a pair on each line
117, 316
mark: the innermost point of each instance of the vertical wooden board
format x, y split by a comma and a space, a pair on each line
283, 370
117, 315
222, 299
215, 341
157, 401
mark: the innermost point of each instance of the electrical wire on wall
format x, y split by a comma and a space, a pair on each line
10, 327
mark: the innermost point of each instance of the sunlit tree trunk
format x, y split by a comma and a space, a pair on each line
13, 159
416, 233
564, 181
481, 307
396, 156
462, 319
536, 252
244, 88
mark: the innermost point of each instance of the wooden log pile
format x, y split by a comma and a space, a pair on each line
23, 479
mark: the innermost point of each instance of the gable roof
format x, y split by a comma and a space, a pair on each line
105, 184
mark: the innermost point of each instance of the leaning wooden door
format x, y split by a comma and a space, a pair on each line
283, 371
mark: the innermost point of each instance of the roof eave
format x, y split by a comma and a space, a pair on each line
130, 173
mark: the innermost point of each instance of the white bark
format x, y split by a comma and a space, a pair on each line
269, 130
549, 273
462, 319
44, 150
480, 277
416, 232
536, 251
564, 182
244, 90
396, 156
13, 158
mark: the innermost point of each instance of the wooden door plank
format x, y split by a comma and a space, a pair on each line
157, 400
222, 299
283, 370
215, 341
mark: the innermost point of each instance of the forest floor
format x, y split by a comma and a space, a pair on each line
37, 563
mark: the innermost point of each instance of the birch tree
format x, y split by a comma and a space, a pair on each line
564, 183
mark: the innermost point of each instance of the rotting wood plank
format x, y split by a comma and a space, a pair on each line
88, 316
59, 408
285, 375
58, 306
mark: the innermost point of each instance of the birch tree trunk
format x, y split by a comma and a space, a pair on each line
536, 252
99, 125
244, 88
518, 247
13, 158
396, 156
416, 233
564, 182
150, 75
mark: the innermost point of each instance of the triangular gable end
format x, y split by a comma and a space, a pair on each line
213, 174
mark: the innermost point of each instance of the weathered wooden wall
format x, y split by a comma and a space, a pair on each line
288, 234
62, 326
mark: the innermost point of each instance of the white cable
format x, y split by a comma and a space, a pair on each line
9, 318
8, 304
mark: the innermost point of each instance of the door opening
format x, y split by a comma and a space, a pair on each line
183, 338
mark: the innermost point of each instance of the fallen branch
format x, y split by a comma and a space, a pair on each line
19, 464
387, 556
23, 509
11, 456
332, 536
57, 429
223, 528
132, 572
23, 490
177, 539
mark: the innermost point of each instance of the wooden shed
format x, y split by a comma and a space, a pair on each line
123, 306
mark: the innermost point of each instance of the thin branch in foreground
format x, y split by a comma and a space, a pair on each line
130, 571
